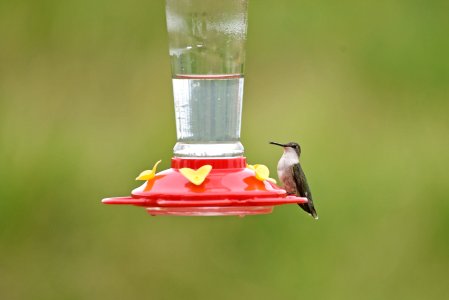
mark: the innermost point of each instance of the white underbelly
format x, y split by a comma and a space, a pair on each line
286, 177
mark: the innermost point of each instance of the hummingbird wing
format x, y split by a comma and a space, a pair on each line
303, 189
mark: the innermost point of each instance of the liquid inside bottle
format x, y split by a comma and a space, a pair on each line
208, 112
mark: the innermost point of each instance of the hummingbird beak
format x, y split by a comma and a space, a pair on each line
278, 144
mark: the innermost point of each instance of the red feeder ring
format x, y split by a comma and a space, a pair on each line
229, 189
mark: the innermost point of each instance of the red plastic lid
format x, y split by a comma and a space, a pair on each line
229, 189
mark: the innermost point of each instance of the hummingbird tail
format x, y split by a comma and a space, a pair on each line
310, 209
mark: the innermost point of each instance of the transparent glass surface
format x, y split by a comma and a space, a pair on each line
207, 51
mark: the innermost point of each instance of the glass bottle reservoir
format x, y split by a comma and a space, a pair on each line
207, 52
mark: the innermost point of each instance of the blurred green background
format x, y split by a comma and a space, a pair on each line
86, 104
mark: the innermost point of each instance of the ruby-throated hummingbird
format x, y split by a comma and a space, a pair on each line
292, 176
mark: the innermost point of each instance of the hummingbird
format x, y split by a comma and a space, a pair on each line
292, 176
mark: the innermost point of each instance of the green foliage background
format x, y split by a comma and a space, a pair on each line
86, 104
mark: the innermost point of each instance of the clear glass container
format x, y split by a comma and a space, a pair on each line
207, 51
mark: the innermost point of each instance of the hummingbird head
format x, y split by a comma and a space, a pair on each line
291, 145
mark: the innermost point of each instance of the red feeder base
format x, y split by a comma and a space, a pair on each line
229, 189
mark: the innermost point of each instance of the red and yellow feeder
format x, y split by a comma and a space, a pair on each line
209, 175
230, 187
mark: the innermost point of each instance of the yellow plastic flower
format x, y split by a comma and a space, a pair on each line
262, 172
148, 174
196, 177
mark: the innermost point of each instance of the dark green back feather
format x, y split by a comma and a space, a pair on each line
303, 189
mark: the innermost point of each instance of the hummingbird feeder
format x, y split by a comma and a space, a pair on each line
209, 175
